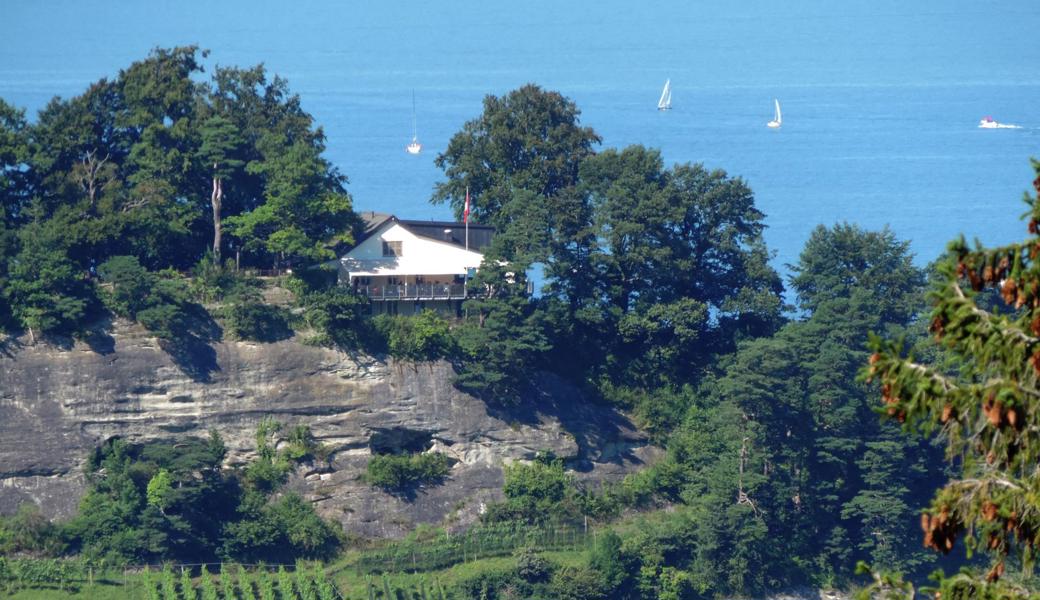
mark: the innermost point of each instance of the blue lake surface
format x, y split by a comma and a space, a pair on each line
881, 99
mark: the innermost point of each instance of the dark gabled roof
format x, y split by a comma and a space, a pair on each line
442, 231
372, 221
452, 232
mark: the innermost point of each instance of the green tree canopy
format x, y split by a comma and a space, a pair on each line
783, 443
150, 165
840, 258
672, 266
519, 160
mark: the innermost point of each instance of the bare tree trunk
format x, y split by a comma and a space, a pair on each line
89, 175
216, 198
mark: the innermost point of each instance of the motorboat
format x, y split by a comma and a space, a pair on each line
989, 122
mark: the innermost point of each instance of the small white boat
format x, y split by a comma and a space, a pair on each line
665, 102
777, 117
989, 123
415, 147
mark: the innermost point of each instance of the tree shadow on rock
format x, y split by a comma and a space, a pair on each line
603, 434
190, 340
9, 345
504, 399
410, 492
98, 338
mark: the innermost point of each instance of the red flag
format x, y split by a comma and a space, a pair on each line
465, 213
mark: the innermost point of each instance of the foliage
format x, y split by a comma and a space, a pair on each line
669, 270
227, 585
213, 282
782, 443
305, 207
837, 260
302, 446
159, 490
45, 291
986, 411
503, 339
129, 168
173, 500
207, 587
519, 160
535, 492
256, 321
29, 532
422, 337
186, 586
338, 315
401, 473
158, 301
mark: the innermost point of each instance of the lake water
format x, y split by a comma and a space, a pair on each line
881, 98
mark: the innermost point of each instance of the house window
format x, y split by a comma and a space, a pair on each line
392, 249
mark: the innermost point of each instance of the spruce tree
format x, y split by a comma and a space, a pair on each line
985, 406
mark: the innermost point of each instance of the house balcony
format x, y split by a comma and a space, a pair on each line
414, 291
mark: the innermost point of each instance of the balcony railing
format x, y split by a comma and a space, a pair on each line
414, 291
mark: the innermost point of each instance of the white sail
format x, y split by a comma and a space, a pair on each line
665, 102
777, 119
415, 147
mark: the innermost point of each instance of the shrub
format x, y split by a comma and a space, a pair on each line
338, 315
253, 320
534, 491
29, 531
580, 583
131, 286
400, 472
212, 282
308, 281
302, 445
157, 301
533, 567
425, 336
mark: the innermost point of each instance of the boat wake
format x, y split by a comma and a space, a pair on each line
989, 123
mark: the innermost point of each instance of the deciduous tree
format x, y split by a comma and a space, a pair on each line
519, 160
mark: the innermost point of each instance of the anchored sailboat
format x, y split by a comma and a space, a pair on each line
415, 147
665, 102
777, 119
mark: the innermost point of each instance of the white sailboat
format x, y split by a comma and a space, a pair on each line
415, 147
777, 118
665, 102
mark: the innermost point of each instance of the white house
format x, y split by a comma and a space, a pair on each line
406, 266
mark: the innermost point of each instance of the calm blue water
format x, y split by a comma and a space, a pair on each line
881, 98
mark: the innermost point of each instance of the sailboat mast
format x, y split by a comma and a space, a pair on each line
415, 133
666, 96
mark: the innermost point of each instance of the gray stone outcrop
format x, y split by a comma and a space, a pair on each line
57, 403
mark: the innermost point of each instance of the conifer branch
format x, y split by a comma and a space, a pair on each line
987, 319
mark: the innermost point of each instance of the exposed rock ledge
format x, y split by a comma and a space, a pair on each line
56, 404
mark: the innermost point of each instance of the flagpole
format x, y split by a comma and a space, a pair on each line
466, 217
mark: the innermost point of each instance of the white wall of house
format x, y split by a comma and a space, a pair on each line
419, 256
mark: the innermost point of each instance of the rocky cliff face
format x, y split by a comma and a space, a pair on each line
58, 403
